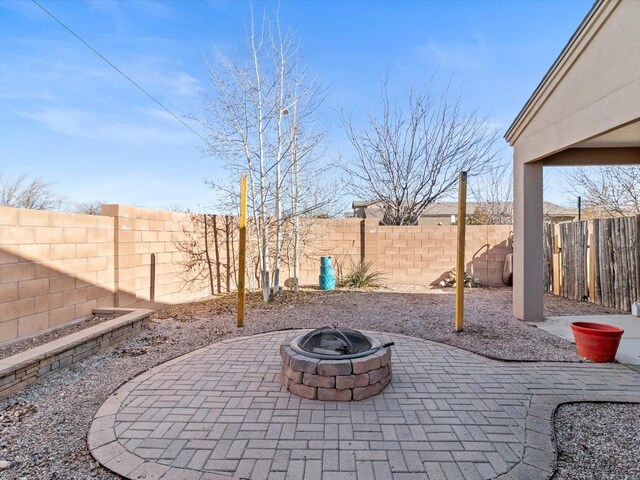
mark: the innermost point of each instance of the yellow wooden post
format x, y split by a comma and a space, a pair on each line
242, 249
591, 264
556, 262
460, 267
557, 285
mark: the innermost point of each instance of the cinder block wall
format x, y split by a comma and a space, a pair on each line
142, 237
54, 267
424, 254
338, 238
417, 254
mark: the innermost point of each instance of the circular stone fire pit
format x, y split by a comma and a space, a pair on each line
337, 364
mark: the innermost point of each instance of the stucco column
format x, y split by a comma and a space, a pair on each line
527, 241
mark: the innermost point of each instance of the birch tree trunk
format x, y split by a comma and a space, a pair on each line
296, 203
245, 117
281, 64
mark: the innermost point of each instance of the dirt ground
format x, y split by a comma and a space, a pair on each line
13, 348
489, 329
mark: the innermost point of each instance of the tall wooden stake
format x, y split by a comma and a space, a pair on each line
242, 249
462, 223
637, 299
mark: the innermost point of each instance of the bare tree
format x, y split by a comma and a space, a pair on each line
23, 192
493, 195
247, 128
610, 191
89, 208
410, 155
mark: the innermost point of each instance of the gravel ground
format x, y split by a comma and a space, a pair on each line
43, 428
598, 437
6, 350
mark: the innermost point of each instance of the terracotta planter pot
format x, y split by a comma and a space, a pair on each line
597, 342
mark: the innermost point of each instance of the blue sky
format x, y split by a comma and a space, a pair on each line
68, 117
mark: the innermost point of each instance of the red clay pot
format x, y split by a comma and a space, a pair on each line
597, 342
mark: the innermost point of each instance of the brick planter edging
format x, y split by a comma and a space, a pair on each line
335, 380
540, 456
22, 369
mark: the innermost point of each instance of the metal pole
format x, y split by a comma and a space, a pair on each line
462, 222
579, 208
242, 249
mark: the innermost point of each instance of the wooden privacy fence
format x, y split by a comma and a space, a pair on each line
598, 260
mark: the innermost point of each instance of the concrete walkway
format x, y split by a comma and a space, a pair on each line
220, 412
629, 349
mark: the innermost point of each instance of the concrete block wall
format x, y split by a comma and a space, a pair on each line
54, 267
142, 236
337, 238
424, 254
417, 254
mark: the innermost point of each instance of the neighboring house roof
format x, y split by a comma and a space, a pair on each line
361, 203
451, 208
554, 210
446, 209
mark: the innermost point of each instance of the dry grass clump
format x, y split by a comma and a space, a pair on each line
360, 275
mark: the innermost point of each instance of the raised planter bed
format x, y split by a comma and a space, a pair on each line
18, 371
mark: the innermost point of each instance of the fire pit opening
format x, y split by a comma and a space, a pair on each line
338, 364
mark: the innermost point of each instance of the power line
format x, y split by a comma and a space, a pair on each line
119, 71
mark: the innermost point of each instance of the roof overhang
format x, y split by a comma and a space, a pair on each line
597, 16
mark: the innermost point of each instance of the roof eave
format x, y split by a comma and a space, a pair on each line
541, 91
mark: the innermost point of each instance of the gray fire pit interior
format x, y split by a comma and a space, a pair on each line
337, 364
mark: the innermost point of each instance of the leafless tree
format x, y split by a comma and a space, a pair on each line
23, 192
493, 195
89, 208
610, 191
245, 117
410, 155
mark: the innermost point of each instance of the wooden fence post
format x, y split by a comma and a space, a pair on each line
591, 259
557, 268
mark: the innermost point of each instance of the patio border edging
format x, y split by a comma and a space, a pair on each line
539, 459
25, 368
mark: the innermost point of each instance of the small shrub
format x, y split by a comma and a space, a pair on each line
360, 276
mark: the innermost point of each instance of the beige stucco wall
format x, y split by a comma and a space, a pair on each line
584, 112
594, 90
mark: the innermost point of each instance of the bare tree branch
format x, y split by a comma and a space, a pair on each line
493, 194
89, 208
35, 194
410, 155
609, 191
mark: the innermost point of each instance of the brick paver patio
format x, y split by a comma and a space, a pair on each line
221, 412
